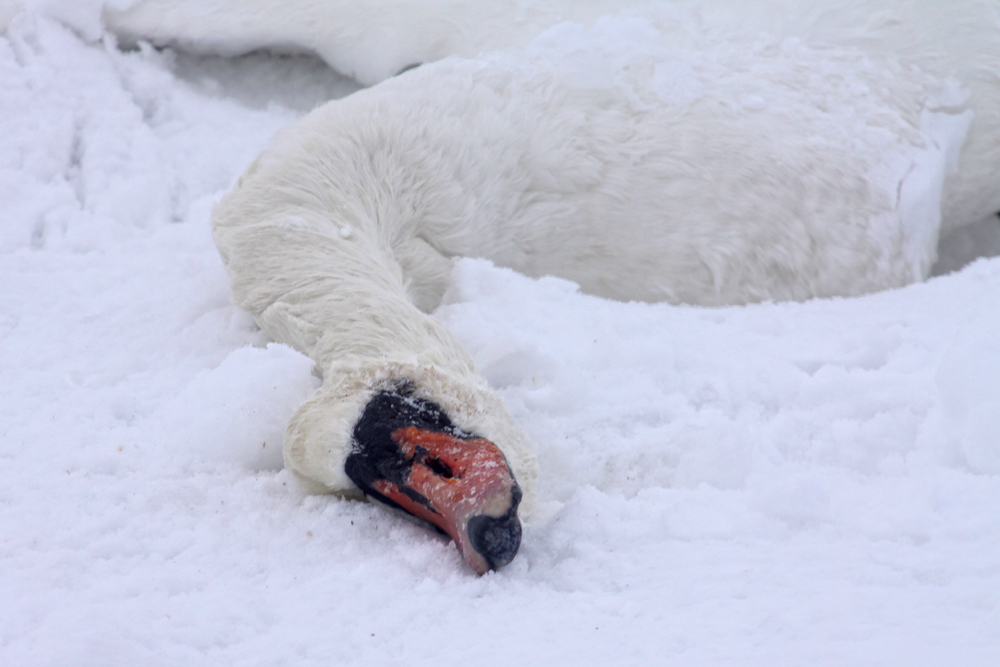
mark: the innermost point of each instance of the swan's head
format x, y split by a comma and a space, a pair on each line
408, 455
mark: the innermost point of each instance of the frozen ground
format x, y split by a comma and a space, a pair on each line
782, 484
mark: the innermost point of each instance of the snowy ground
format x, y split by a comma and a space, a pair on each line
782, 484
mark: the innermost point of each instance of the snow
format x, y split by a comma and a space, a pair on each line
811, 483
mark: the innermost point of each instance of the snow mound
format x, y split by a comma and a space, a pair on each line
222, 413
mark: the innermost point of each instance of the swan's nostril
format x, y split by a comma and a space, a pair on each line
439, 467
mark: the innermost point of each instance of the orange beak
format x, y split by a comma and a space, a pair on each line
462, 486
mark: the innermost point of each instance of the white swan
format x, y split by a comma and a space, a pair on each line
637, 182
668, 155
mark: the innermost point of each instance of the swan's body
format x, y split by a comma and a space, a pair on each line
655, 160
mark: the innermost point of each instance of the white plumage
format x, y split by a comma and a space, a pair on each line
717, 169
712, 155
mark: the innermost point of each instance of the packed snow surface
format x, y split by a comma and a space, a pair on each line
779, 484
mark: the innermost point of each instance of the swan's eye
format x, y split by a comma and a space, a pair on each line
438, 467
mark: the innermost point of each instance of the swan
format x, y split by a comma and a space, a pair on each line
614, 166
710, 155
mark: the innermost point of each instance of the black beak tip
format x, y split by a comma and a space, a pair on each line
497, 539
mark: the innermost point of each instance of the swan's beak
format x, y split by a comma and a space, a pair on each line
465, 488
